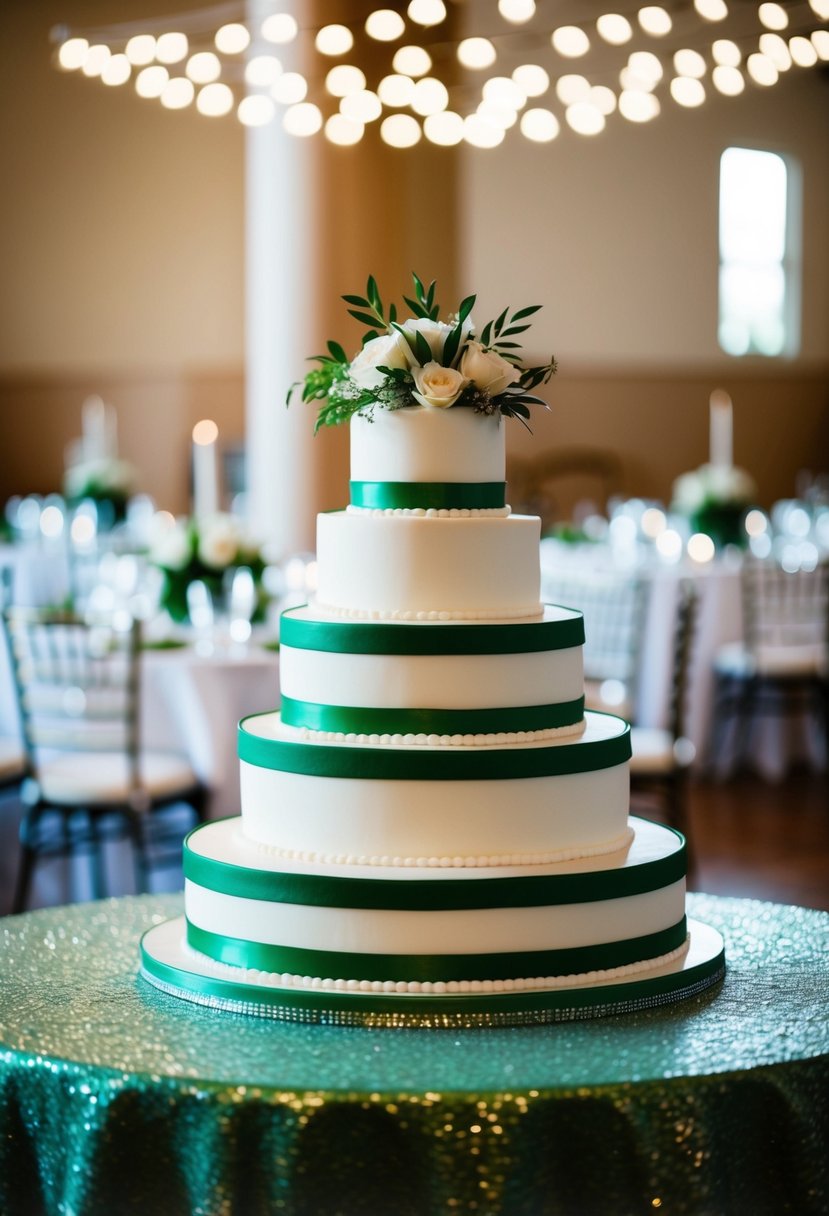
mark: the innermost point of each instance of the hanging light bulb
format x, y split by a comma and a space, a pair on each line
820, 41
637, 106
497, 114
279, 28
177, 93
344, 79
570, 41
426, 12
728, 80
140, 49
572, 88
614, 29
203, 67
516, 11
334, 40
95, 59
117, 70
430, 96
303, 119
645, 66
711, 10
290, 88
361, 107
476, 53
444, 129
689, 63
802, 52
502, 90
214, 100
531, 79
655, 20
343, 131
539, 125
727, 53
761, 70
396, 91
232, 39
773, 16
262, 70
400, 131
603, 98
584, 118
171, 48
150, 81
385, 25
412, 61
480, 133
72, 53
687, 91
777, 51
257, 110
820, 8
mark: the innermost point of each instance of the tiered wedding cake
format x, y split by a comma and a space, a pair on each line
432, 830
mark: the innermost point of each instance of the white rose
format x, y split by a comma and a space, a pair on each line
688, 492
219, 541
728, 484
487, 370
171, 547
434, 332
389, 350
438, 386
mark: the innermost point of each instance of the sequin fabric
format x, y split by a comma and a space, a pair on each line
116, 1098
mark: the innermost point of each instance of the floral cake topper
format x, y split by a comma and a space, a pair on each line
425, 361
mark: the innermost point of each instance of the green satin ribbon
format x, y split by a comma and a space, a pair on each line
431, 895
419, 764
428, 495
370, 637
331, 964
357, 719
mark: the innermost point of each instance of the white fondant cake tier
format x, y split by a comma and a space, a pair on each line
427, 445
379, 565
434, 804
314, 674
622, 909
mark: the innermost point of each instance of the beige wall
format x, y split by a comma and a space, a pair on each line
122, 248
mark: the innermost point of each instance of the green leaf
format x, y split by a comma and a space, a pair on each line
338, 352
419, 310
363, 317
486, 334
419, 291
450, 346
499, 324
371, 292
358, 300
466, 307
516, 329
423, 350
392, 314
525, 312
369, 335
508, 345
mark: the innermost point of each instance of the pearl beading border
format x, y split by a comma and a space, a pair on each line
398, 614
457, 740
434, 512
271, 979
605, 848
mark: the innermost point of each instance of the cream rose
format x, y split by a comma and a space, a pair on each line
438, 386
219, 541
389, 350
434, 332
487, 370
170, 546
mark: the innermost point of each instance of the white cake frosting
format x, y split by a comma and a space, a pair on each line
427, 445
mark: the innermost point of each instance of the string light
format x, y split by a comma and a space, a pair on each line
412, 83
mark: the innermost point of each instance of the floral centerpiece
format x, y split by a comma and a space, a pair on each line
204, 550
714, 498
107, 480
425, 361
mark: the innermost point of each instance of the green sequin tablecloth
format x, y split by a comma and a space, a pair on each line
117, 1099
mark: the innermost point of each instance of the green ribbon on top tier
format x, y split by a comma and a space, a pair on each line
434, 764
363, 720
428, 495
330, 964
430, 894
415, 638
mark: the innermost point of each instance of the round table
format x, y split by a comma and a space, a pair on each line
118, 1099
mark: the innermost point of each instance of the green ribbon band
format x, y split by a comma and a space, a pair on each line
428, 495
357, 719
418, 764
433, 895
330, 964
364, 637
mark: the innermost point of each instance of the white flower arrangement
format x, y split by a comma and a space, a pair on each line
203, 549
712, 485
425, 361
103, 477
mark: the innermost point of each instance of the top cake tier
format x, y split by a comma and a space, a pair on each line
421, 458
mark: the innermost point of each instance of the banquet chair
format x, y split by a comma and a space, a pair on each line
662, 758
613, 604
781, 668
555, 484
88, 781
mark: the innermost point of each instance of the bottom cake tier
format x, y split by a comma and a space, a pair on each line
410, 946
